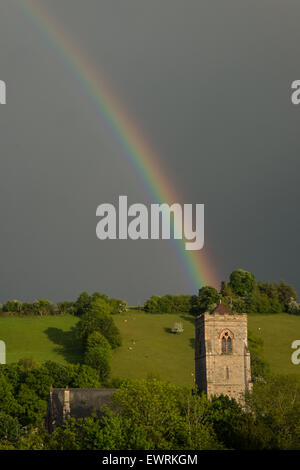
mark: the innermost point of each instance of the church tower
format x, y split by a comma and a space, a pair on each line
222, 358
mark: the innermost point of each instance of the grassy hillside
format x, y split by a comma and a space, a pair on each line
148, 346
278, 332
44, 338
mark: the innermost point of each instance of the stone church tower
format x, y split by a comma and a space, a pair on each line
222, 358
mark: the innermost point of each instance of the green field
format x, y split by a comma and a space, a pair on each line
278, 332
44, 338
155, 350
148, 345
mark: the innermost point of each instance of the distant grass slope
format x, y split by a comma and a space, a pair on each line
278, 332
44, 338
148, 346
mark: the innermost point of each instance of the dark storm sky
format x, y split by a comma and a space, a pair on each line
208, 82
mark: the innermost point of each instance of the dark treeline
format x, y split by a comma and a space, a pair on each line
169, 304
44, 307
242, 294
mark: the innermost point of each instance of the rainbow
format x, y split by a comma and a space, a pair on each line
133, 144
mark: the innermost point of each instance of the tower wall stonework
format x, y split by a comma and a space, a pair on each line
218, 372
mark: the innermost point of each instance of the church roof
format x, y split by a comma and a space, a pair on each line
222, 310
82, 402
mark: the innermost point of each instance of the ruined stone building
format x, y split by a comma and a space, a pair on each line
222, 358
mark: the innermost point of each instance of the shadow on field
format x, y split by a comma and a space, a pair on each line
67, 345
189, 318
169, 330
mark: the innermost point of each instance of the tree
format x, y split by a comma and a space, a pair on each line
98, 354
98, 318
67, 436
83, 303
8, 403
168, 304
234, 427
43, 307
276, 405
10, 428
39, 381
32, 408
242, 282
66, 307
12, 374
197, 431
172, 417
207, 299
152, 305
12, 306
111, 432
268, 288
60, 375
84, 376
36, 438
285, 294
154, 406
259, 367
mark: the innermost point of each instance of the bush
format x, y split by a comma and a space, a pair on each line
294, 307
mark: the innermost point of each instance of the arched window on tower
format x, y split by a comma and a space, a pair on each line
229, 345
226, 342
